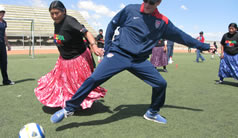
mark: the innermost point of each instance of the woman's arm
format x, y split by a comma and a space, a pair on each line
222, 51
165, 46
93, 45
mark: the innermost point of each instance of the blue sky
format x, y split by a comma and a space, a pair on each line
192, 16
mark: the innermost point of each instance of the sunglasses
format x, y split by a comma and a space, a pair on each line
150, 2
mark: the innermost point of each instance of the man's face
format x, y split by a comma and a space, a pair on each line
2, 13
150, 6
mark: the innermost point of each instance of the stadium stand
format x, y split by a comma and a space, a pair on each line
20, 20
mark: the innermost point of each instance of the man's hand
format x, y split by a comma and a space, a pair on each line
9, 48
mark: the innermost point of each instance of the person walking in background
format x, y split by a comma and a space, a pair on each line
159, 55
3, 50
229, 54
215, 50
170, 51
141, 26
198, 51
189, 50
100, 42
74, 64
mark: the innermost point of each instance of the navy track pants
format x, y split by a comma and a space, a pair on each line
3, 63
114, 63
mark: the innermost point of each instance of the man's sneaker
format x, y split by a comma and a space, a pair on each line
155, 117
60, 115
219, 82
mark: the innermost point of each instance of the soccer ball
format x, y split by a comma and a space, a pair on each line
32, 130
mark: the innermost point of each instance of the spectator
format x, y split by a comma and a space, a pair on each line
170, 51
198, 51
3, 50
229, 54
100, 42
159, 56
215, 50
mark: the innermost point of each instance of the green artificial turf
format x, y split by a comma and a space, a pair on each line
195, 106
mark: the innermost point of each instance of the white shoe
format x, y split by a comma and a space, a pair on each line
170, 61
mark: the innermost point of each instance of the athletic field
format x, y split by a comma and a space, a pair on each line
195, 106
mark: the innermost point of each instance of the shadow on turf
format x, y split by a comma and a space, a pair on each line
228, 83
20, 81
122, 112
98, 107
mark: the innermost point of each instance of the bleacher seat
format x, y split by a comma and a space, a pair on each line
43, 24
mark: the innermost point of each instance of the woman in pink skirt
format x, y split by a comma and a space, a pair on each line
159, 55
74, 64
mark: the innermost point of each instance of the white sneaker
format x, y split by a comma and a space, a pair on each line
170, 61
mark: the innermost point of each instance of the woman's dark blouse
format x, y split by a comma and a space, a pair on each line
68, 37
230, 43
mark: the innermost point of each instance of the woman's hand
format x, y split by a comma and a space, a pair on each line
222, 55
9, 48
165, 49
97, 51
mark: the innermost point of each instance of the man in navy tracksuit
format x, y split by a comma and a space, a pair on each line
141, 26
3, 52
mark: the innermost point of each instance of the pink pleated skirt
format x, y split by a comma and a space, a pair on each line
61, 83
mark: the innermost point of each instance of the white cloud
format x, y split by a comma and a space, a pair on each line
122, 5
96, 16
183, 7
213, 36
73, 6
39, 3
196, 27
85, 14
181, 26
99, 9
96, 24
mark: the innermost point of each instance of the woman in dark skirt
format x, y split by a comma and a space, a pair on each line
229, 54
159, 56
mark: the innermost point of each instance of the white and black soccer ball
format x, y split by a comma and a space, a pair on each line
32, 130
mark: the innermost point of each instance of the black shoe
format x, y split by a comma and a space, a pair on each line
9, 83
165, 70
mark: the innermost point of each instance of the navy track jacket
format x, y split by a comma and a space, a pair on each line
140, 32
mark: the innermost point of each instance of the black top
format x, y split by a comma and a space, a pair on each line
68, 37
230, 43
100, 40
